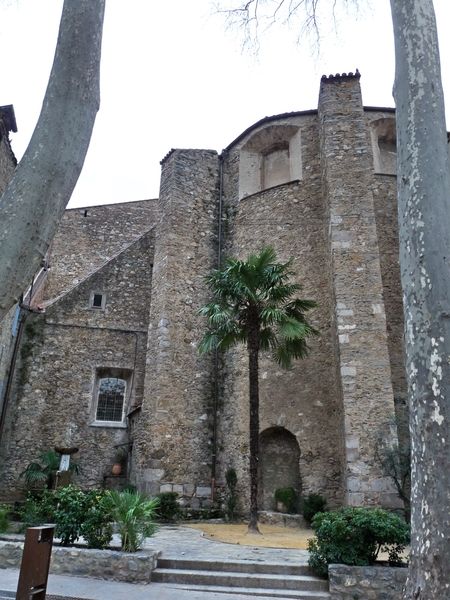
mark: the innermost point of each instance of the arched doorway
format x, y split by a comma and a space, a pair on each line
279, 455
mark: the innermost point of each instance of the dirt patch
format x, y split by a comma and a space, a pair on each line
272, 535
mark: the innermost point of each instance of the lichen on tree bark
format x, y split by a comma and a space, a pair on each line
424, 216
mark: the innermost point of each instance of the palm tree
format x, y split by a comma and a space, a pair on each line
254, 304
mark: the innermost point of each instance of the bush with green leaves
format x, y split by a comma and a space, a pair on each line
38, 508
135, 516
287, 496
70, 513
75, 513
4, 517
313, 504
231, 498
96, 527
355, 536
168, 509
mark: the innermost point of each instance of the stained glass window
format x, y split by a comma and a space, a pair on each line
111, 399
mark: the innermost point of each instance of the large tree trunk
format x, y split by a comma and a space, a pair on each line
35, 199
424, 221
253, 355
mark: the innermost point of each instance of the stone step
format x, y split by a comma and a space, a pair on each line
236, 566
257, 592
239, 579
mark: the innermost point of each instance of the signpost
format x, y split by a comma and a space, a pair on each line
35, 563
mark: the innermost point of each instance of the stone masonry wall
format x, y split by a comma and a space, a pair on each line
385, 202
112, 565
173, 434
305, 399
366, 583
54, 401
347, 167
87, 237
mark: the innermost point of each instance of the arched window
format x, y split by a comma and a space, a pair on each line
384, 145
111, 399
272, 156
111, 395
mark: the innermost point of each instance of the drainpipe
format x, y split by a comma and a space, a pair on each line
216, 353
12, 367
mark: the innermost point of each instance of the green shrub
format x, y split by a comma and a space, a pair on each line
135, 515
313, 504
129, 487
4, 517
38, 508
96, 527
288, 496
74, 513
168, 509
355, 536
70, 512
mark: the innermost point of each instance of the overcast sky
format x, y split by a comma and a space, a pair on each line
174, 77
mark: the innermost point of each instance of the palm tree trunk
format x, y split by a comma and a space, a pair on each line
253, 355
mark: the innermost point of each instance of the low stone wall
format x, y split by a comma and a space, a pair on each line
366, 583
84, 562
282, 519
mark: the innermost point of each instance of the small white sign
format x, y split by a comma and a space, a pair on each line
65, 462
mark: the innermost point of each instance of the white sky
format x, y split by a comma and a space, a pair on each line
173, 77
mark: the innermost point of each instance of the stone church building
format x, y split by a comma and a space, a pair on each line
103, 355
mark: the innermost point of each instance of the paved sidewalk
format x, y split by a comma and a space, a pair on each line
81, 588
178, 542
173, 542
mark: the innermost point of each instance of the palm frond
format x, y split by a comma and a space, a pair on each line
289, 350
34, 473
272, 314
257, 292
209, 342
294, 329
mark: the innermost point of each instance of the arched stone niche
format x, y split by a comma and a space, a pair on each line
279, 456
272, 156
384, 145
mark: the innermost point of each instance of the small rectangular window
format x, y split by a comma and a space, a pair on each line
97, 301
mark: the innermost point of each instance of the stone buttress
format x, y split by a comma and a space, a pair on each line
173, 438
367, 396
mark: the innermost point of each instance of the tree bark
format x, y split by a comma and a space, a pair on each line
424, 225
253, 375
35, 199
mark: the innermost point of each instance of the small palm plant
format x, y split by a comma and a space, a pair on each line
135, 515
43, 471
254, 304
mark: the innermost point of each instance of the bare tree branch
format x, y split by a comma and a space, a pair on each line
251, 16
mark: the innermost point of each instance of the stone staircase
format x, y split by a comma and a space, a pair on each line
242, 577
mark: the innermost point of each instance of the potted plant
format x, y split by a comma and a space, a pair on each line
120, 461
286, 500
